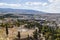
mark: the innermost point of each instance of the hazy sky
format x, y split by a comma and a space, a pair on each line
40, 5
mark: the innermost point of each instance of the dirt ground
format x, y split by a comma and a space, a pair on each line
13, 33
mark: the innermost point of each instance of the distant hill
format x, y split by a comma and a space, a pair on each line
21, 11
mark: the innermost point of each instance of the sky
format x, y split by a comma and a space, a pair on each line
50, 6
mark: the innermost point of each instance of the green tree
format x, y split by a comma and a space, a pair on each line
19, 36
28, 38
40, 28
7, 30
35, 34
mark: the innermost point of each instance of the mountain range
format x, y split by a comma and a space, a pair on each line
21, 11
